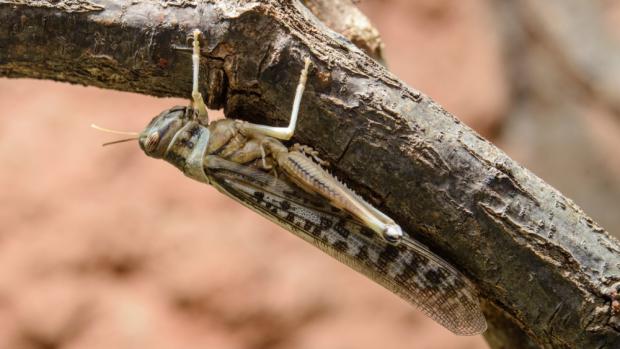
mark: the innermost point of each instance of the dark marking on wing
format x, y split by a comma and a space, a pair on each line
285, 205
388, 255
410, 270
290, 217
326, 223
341, 229
307, 225
341, 246
362, 254
434, 276
259, 195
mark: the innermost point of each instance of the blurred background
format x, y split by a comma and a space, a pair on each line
106, 248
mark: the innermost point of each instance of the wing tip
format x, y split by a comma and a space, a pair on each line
472, 329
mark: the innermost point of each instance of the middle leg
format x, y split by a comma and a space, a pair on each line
284, 133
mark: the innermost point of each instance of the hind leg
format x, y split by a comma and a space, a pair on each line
309, 176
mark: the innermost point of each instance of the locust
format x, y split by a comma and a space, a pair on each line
289, 186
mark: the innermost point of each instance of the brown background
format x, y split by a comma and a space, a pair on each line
105, 248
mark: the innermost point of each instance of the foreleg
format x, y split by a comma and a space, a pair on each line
198, 103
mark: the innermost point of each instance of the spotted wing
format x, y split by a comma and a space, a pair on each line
409, 269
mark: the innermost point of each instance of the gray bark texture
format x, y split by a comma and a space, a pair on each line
548, 275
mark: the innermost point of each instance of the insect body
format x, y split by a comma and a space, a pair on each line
288, 186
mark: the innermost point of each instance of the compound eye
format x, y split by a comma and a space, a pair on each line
150, 144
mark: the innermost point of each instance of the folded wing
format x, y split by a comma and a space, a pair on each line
409, 269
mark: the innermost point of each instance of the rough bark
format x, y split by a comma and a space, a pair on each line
545, 270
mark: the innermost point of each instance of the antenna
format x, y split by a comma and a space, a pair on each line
120, 141
126, 133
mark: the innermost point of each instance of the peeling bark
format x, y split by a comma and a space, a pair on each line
543, 267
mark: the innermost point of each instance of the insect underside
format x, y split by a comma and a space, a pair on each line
287, 185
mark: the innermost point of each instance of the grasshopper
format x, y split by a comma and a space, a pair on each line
249, 163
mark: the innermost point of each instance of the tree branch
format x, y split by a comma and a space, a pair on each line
543, 267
